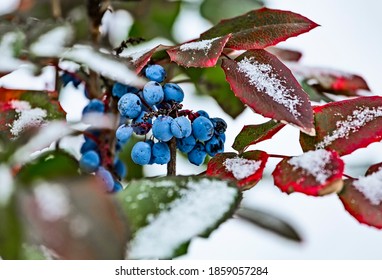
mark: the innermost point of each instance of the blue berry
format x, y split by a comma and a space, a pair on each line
155, 73
130, 106
141, 153
117, 186
124, 133
186, 145
120, 90
162, 128
153, 93
181, 127
203, 114
161, 153
202, 129
173, 92
214, 146
141, 126
94, 106
222, 137
90, 162
198, 154
88, 145
220, 125
151, 143
120, 168
106, 177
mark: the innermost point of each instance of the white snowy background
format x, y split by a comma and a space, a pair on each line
349, 39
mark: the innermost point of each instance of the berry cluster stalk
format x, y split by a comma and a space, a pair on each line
171, 166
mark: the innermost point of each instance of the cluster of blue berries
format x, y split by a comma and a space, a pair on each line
157, 108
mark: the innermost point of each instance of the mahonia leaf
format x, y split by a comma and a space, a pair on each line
245, 169
75, 219
374, 168
346, 126
267, 86
252, 134
362, 197
166, 213
285, 54
313, 173
199, 53
261, 28
328, 80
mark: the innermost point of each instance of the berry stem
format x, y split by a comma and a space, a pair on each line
348, 176
171, 166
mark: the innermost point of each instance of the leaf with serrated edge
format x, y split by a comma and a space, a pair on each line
252, 134
198, 53
167, 213
313, 173
245, 169
267, 86
261, 28
346, 126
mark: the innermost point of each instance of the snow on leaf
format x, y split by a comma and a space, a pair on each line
6, 186
52, 43
266, 85
245, 169
200, 53
168, 216
346, 126
260, 28
8, 61
104, 64
313, 173
371, 187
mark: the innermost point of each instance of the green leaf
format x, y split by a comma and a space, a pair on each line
135, 171
49, 165
166, 213
269, 222
153, 18
211, 81
227, 8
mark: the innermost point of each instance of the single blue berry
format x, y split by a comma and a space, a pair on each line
90, 162
120, 168
88, 145
94, 106
220, 125
117, 186
181, 127
141, 153
202, 128
173, 92
106, 177
142, 125
214, 146
222, 137
160, 153
151, 143
124, 133
198, 154
153, 93
130, 106
162, 128
120, 90
203, 113
155, 73
186, 145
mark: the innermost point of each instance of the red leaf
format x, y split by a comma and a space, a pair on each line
199, 53
374, 168
367, 209
252, 134
261, 28
266, 85
313, 173
285, 54
328, 80
246, 169
346, 126
140, 59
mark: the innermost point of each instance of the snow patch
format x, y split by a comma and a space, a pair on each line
371, 187
27, 117
8, 62
313, 163
241, 168
52, 43
6, 186
359, 118
198, 209
53, 201
262, 76
203, 45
